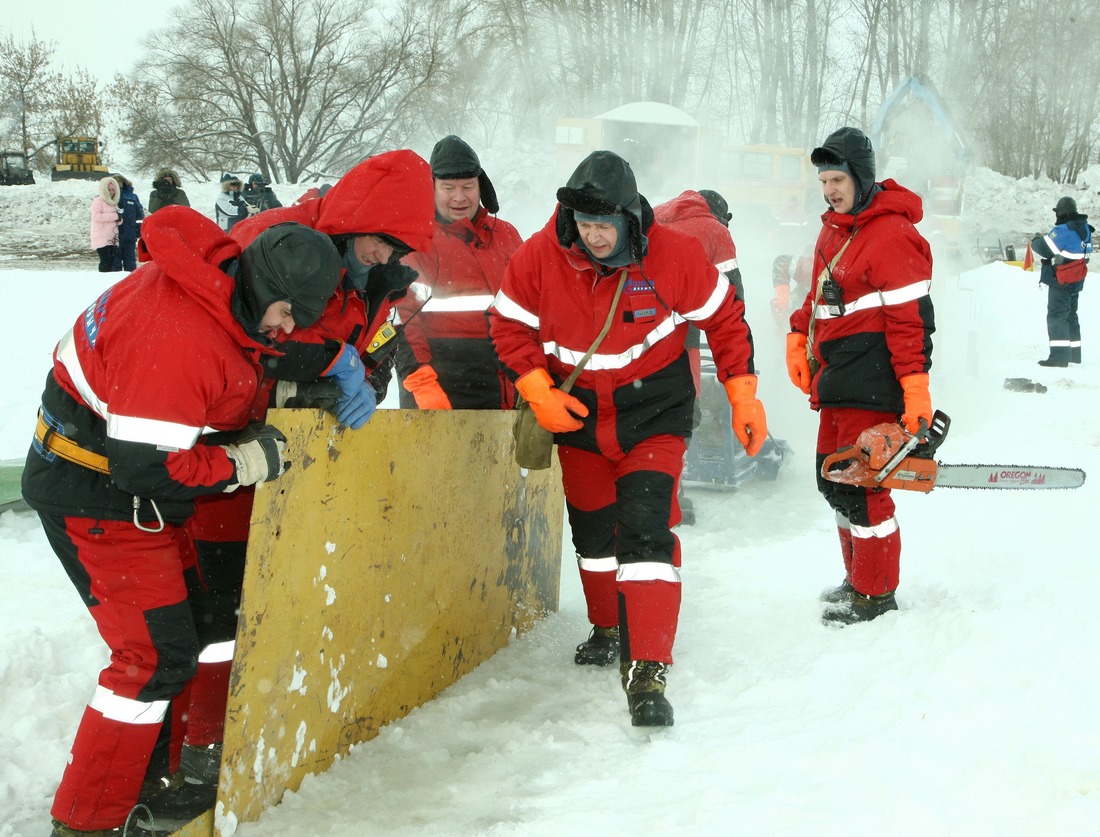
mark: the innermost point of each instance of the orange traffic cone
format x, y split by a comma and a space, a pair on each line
1029, 258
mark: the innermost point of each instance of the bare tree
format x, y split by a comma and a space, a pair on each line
285, 86
27, 87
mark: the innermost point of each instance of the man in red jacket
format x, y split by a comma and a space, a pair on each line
868, 321
377, 212
621, 430
122, 449
446, 359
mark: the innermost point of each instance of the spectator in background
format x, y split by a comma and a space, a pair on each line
130, 229
1064, 253
231, 207
445, 358
106, 218
259, 195
167, 191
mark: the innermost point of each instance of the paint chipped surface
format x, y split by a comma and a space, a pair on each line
258, 762
336, 692
300, 743
330, 596
330, 547
298, 681
382, 662
224, 821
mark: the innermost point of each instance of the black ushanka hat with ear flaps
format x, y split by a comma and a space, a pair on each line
453, 159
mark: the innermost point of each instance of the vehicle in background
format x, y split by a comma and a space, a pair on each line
79, 158
14, 169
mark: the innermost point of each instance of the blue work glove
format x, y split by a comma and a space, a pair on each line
358, 402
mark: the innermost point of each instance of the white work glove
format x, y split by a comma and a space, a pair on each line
259, 456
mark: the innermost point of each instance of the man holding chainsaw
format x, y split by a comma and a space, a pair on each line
860, 347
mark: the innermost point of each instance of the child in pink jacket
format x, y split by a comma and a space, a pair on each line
105, 221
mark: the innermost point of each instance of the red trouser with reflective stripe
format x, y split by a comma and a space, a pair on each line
869, 535
620, 513
133, 585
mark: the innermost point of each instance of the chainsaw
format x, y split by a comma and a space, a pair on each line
889, 456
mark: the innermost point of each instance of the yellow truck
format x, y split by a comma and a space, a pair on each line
79, 158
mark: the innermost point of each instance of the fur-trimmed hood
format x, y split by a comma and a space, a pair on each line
604, 184
109, 190
169, 173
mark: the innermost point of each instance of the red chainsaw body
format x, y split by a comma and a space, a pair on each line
862, 463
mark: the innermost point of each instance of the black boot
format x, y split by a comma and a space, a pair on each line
644, 684
837, 594
1074, 354
1059, 357
175, 798
202, 763
600, 649
132, 828
858, 608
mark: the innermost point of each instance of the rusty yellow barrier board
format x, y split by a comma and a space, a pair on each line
383, 566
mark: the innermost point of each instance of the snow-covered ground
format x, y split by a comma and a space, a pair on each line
970, 711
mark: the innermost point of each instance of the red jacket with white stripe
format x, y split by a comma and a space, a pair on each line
885, 332
637, 384
689, 213
152, 365
463, 271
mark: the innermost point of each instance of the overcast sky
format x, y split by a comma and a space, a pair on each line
103, 38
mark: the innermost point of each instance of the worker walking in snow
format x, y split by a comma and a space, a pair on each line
122, 449
868, 321
602, 277
1064, 253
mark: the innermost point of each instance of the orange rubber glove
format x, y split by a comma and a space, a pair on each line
798, 367
555, 410
750, 425
424, 385
918, 403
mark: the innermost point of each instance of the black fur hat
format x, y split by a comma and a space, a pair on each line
718, 206
1064, 209
848, 149
604, 184
290, 262
453, 159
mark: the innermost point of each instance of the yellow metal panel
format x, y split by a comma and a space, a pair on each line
387, 563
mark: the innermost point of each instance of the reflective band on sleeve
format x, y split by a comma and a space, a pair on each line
126, 710
649, 571
217, 652
1058, 251
66, 355
878, 299
880, 530
474, 302
726, 266
513, 311
721, 288
163, 434
598, 565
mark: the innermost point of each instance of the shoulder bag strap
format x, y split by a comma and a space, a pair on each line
825, 273
568, 385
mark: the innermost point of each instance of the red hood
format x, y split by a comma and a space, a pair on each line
389, 193
188, 247
688, 204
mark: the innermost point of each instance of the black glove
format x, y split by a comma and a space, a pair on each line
391, 276
381, 376
308, 394
259, 454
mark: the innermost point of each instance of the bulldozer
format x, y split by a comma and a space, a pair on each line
78, 158
14, 170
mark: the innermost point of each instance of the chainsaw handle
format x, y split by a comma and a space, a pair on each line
932, 436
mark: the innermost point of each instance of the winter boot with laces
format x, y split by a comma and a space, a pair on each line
600, 649
176, 797
858, 608
837, 594
644, 684
132, 828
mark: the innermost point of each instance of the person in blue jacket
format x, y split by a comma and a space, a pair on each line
1064, 254
132, 213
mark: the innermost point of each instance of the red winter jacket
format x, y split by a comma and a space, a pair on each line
152, 365
688, 213
886, 330
463, 269
389, 193
637, 384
